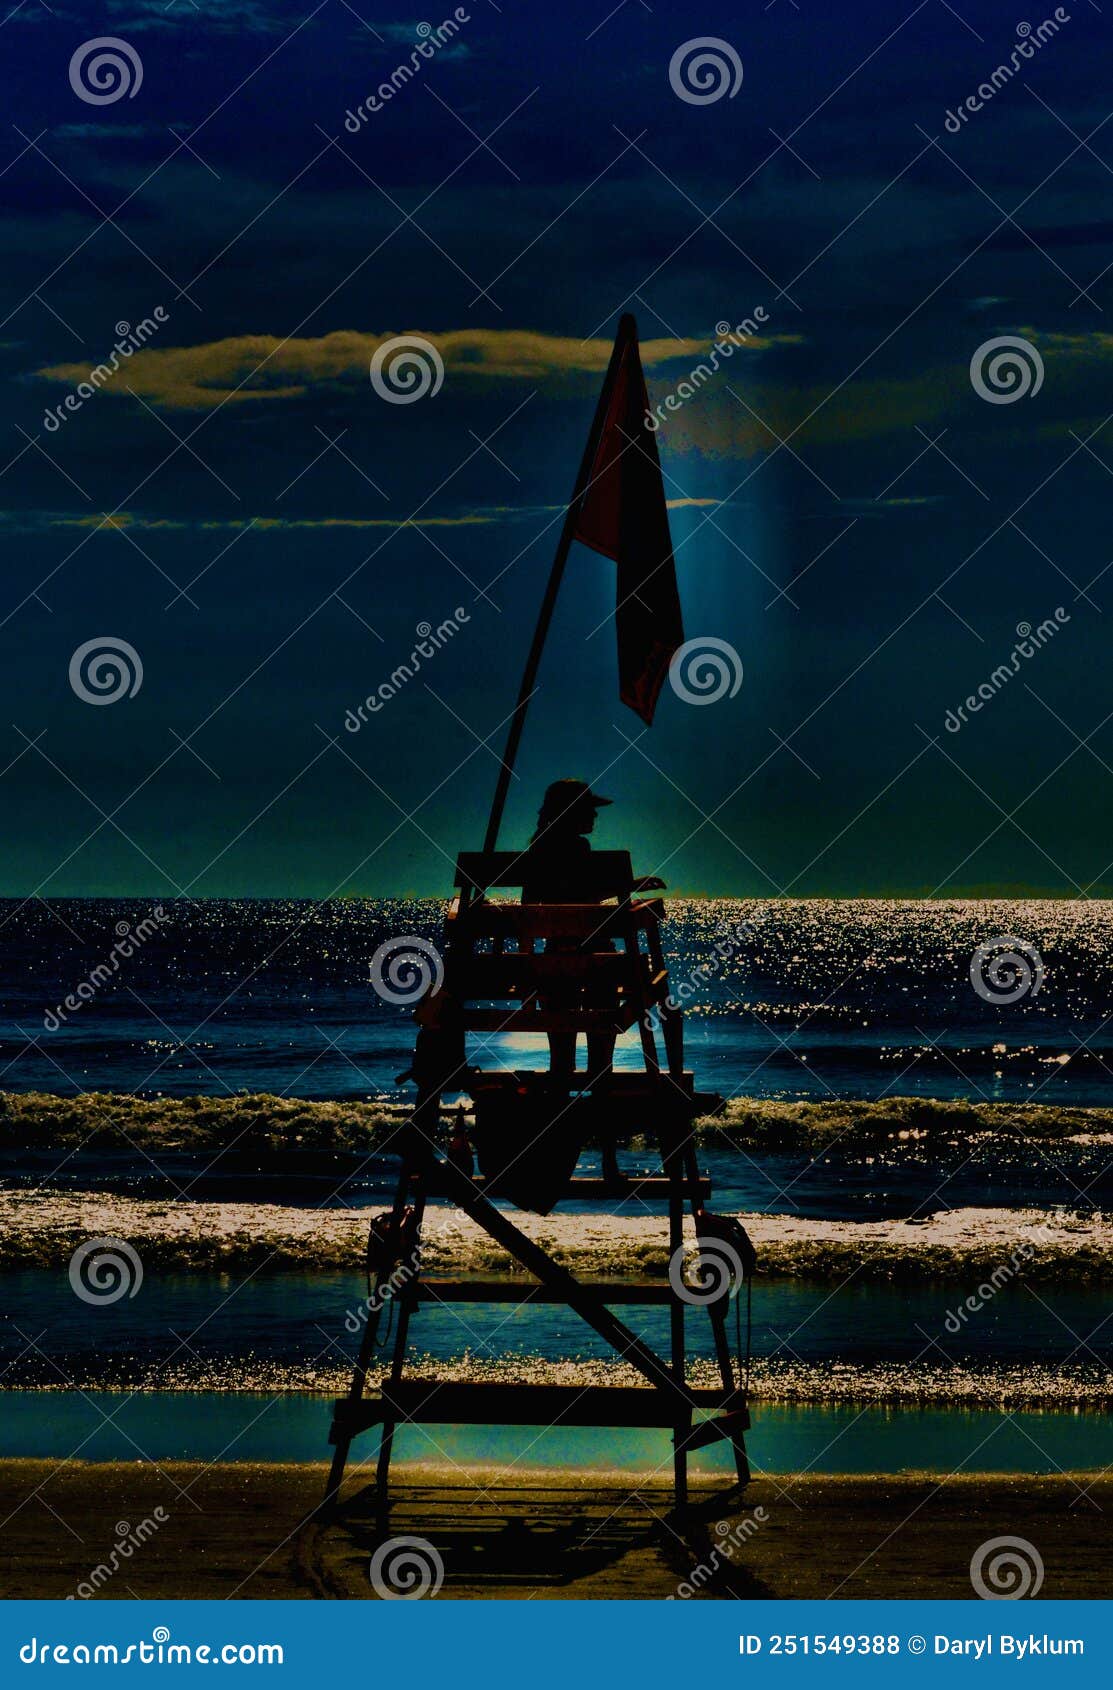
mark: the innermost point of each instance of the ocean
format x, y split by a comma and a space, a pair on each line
942, 1084
813, 998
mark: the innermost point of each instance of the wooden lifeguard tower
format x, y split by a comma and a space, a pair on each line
528, 1133
513, 966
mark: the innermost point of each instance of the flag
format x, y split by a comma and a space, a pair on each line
623, 516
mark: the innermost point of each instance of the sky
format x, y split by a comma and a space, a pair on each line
860, 513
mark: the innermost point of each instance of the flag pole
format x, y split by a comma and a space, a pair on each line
627, 331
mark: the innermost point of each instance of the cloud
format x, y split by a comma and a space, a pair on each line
222, 17
33, 521
257, 368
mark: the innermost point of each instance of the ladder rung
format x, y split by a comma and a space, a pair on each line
542, 1405
624, 1085
653, 1186
730, 1424
616, 1020
430, 1403
506, 1289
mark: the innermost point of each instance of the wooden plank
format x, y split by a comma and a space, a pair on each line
540, 1405
514, 975
477, 870
623, 1086
429, 1402
728, 1425
582, 922
650, 1188
506, 1288
615, 1020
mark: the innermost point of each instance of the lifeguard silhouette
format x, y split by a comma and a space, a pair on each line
560, 868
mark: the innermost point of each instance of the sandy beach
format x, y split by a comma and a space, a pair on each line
245, 1530
43, 1228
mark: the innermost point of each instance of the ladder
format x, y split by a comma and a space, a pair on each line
528, 1131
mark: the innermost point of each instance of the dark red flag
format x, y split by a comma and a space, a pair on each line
624, 516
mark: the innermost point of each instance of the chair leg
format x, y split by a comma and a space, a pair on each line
675, 1170
364, 1355
717, 1314
428, 1104
672, 1030
397, 1366
726, 1374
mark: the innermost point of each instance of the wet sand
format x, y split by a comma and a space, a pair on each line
1075, 1386
245, 1530
43, 1228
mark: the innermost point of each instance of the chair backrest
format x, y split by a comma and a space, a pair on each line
608, 874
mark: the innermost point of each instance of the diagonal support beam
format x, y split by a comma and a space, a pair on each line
565, 1287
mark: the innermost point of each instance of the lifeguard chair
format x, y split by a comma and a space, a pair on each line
511, 967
